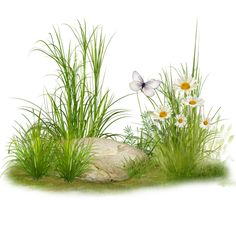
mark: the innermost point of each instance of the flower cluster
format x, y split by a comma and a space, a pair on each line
185, 86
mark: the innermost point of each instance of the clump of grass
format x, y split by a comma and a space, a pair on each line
72, 159
31, 150
179, 133
137, 168
210, 169
183, 141
78, 107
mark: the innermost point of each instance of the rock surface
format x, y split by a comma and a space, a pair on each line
109, 159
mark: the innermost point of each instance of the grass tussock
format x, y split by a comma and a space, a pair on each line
32, 150
178, 134
79, 107
72, 160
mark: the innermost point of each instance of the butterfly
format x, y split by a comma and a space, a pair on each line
148, 88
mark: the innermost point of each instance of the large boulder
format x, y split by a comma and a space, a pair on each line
109, 159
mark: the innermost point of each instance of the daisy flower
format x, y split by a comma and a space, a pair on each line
181, 121
162, 113
193, 101
205, 123
185, 83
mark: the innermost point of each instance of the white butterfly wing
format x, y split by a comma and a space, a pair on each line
135, 86
148, 90
153, 83
137, 77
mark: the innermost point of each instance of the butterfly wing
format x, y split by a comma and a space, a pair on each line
135, 86
153, 83
148, 90
137, 82
137, 77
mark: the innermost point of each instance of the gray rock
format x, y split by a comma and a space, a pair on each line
109, 159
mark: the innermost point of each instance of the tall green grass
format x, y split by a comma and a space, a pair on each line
179, 151
72, 159
78, 107
32, 149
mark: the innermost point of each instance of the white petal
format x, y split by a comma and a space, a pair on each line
137, 77
153, 83
201, 102
148, 90
135, 86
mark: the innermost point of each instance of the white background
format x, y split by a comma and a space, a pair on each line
149, 35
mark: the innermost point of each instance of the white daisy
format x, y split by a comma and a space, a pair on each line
181, 121
205, 123
194, 101
185, 83
162, 113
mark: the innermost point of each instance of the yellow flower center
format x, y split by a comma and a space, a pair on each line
192, 102
180, 120
185, 86
163, 114
205, 122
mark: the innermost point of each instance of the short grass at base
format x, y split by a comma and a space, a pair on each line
152, 178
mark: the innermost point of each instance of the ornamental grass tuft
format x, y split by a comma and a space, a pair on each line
78, 107
178, 134
32, 149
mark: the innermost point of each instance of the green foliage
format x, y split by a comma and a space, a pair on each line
153, 177
32, 150
211, 169
37, 153
142, 138
71, 159
79, 107
179, 148
139, 167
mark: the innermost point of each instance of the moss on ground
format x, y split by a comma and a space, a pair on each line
152, 178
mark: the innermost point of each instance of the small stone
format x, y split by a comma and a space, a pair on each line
109, 159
